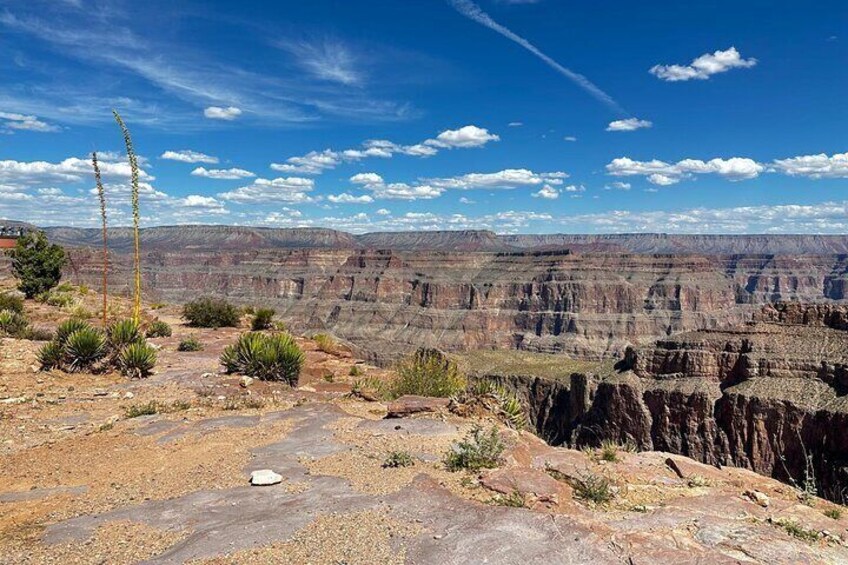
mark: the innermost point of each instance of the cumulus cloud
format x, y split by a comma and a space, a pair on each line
630, 124
464, 137
665, 174
10, 122
72, 169
347, 198
548, 192
284, 189
218, 113
618, 186
316, 162
426, 189
704, 66
819, 166
222, 174
188, 156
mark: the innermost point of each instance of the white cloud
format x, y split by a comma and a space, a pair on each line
665, 174
366, 178
290, 189
316, 162
704, 66
218, 113
347, 198
819, 166
570, 138
630, 124
464, 137
383, 212
222, 174
21, 122
188, 156
618, 186
71, 170
547, 192
464, 200
515, 124
326, 59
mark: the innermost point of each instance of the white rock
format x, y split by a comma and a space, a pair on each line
265, 477
129, 395
245, 382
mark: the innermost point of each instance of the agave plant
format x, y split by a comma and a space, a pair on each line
84, 348
68, 327
273, 357
137, 360
102, 197
136, 214
12, 323
50, 356
122, 334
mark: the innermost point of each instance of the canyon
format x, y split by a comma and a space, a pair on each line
389, 293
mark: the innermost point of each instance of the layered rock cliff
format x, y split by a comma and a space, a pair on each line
769, 396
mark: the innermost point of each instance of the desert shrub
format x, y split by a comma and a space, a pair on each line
834, 513
36, 263
326, 343
372, 388
122, 334
609, 451
12, 323
80, 312
12, 303
190, 344
56, 298
428, 372
158, 328
51, 356
137, 410
33, 333
208, 312
356, 371
137, 360
796, 530
274, 357
478, 450
68, 327
263, 319
515, 499
592, 488
397, 459
508, 406
84, 348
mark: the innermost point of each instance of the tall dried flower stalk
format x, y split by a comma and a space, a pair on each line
134, 170
102, 197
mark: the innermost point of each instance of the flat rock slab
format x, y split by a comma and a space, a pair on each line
410, 405
264, 478
416, 426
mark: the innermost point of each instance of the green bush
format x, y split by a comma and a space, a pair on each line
326, 343
84, 348
190, 344
122, 334
137, 360
51, 355
592, 488
397, 459
428, 372
356, 371
36, 263
158, 328
37, 334
273, 357
479, 450
57, 298
12, 323
207, 312
263, 319
12, 303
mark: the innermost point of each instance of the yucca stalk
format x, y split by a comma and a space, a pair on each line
134, 170
101, 195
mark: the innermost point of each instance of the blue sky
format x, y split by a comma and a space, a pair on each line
511, 115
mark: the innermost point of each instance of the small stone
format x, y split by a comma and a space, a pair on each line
129, 395
265, 477
758, 497
245, 381
207, 375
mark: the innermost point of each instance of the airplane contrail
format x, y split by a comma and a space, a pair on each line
472, 11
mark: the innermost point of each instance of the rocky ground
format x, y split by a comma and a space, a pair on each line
101, 469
